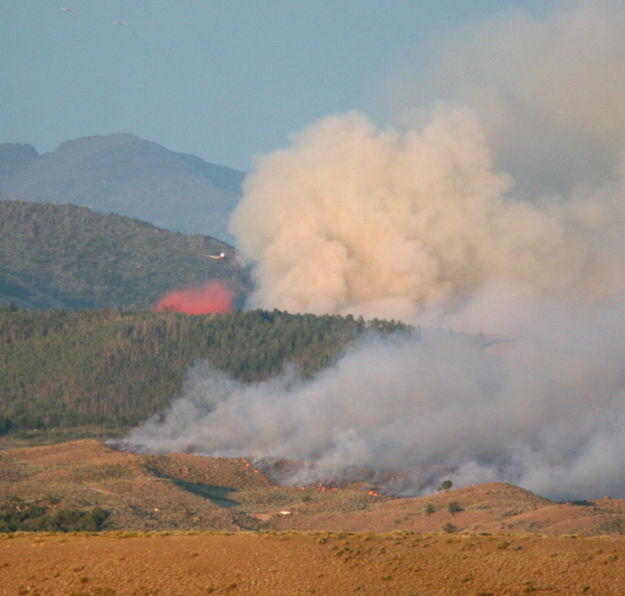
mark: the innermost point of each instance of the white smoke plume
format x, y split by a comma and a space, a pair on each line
549, 89
349, 219
422, 223
548, 419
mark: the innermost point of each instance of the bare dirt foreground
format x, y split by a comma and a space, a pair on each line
398, 563
182, 524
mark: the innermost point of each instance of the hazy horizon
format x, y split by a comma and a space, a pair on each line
221, 80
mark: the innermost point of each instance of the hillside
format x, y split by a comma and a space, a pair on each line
115, 368
62, 256
180, 491
123, 174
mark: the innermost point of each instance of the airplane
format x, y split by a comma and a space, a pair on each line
220, 256
68, 9
119, 22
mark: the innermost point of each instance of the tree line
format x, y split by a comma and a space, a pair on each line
63, 368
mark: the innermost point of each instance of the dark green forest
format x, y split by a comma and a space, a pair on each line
116, 368
63, 256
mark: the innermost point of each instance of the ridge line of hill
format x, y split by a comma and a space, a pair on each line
67, 256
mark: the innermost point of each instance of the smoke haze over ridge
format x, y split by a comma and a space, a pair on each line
423, 222
409, 405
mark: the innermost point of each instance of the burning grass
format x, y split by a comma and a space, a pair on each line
185, 492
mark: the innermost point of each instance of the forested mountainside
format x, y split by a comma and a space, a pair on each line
62, 256
64, 369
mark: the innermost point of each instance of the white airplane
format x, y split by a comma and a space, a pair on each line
68, 9
220, 256
119, 22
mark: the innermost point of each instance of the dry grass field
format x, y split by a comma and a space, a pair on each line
297, 563
182, 524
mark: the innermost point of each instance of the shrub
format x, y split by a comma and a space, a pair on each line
17, 515
454, 507
445, 485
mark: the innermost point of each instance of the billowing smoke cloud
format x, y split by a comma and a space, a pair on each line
351, 219
212, 297
550, 420
423, 224
548, 87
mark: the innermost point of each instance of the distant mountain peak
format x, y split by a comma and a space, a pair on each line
124, 174
15, 156
99, 141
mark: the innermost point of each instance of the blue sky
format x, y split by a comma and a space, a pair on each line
225, 80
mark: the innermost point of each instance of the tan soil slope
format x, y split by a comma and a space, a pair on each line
85, 474
320, 563
179, 491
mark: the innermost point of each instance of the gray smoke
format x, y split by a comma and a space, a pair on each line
549, 90
532, 413
421, 222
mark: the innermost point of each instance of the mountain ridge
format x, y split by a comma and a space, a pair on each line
124, 174
67, 256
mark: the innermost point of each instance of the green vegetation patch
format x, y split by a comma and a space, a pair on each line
66, 256
17, 515
115, 368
